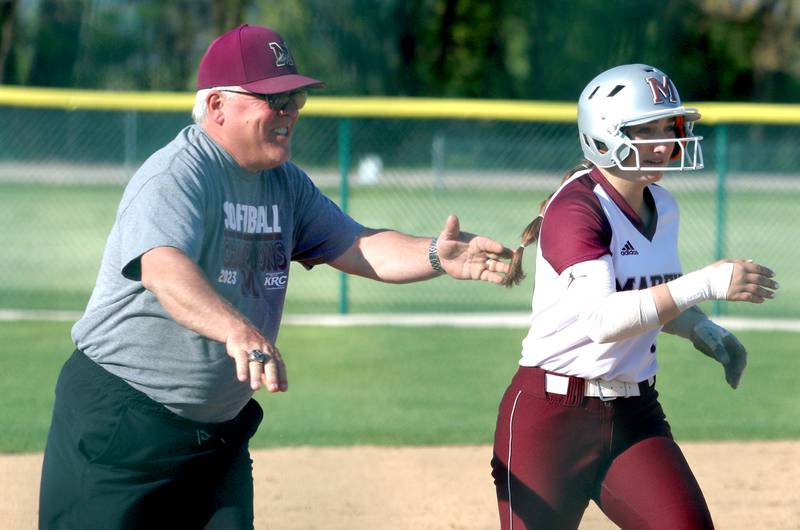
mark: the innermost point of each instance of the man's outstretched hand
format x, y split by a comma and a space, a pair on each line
466, 256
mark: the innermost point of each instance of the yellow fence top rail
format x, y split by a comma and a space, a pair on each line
55, 98
381, 107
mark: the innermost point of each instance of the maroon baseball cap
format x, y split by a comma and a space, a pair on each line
253, 57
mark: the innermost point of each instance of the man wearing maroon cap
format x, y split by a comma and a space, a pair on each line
154, 409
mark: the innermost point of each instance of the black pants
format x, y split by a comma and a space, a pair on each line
117, 459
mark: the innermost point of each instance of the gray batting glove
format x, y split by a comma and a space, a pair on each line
721, 345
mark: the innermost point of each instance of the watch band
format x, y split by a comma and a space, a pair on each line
433, 255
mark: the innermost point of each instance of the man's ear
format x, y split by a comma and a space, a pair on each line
215, 104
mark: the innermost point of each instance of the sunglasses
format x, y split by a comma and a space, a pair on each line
280, 101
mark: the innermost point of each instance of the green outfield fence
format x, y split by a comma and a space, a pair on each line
404, 163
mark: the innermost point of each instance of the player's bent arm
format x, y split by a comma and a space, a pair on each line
605, 314
610, 316
183, 291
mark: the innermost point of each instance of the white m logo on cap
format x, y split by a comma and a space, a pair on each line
282, 55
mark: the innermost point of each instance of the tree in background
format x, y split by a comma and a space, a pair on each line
761, 42
526, 49
227, 14
115, 44
55, 48
171, 29
7, 11
464, 50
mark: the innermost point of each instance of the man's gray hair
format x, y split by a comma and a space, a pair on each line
200, 110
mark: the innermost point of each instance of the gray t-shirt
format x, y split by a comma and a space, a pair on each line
242, 229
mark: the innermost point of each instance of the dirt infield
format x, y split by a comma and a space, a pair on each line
747, 485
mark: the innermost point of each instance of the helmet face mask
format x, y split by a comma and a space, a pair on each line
629, 95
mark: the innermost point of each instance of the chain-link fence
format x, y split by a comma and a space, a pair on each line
62, 173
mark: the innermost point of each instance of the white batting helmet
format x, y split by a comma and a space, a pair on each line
633, 94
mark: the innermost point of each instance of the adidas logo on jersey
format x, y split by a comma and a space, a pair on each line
628, 250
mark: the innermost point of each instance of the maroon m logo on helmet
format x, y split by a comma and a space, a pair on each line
662, 90
283, 56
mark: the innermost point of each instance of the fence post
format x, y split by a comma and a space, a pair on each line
344, 195
721, 145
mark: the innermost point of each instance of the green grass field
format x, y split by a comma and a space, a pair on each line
412, 386
52, 238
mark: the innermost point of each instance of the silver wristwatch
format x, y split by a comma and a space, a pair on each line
433, 255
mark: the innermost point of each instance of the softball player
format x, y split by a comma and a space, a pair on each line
581, 418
